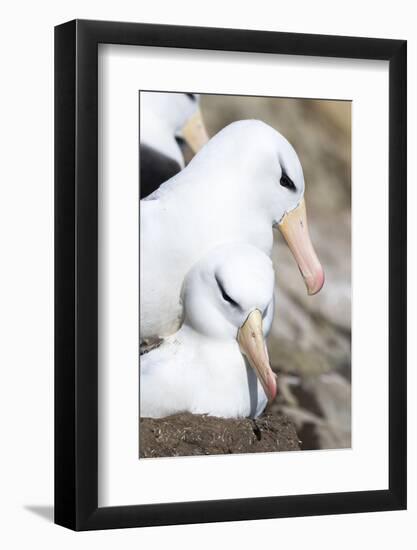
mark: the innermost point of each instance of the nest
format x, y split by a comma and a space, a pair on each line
188, 434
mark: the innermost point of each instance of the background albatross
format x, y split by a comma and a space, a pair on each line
165, 120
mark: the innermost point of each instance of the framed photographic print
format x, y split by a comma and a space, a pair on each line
230, 338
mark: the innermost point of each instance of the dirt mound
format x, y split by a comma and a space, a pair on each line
188, 434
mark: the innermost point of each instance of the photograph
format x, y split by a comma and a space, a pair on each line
245, 274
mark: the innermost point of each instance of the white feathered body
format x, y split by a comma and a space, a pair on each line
189, 372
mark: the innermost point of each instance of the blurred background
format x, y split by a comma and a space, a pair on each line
310, 342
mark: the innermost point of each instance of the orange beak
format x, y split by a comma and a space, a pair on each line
294, 228
252, 344
195, 133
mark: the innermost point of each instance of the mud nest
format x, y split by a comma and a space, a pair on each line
188, 434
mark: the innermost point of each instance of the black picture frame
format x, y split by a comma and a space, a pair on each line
76, 272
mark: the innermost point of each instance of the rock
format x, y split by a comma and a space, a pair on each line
320, 407
188, 434
312, 334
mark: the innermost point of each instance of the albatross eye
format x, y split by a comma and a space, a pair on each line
224, 294
287, 182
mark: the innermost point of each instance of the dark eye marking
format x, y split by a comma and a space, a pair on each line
225, 296
287, 182
192, 97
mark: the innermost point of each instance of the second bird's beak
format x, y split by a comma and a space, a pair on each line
294, 228
252, 344
194, 132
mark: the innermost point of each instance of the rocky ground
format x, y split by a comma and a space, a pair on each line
310, 342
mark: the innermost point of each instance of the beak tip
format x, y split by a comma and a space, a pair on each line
272, 388
315, 283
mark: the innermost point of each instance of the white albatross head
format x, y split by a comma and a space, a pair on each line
254, 169
229, 295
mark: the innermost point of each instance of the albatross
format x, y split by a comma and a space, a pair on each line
217, 362
246, 180
165, 120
